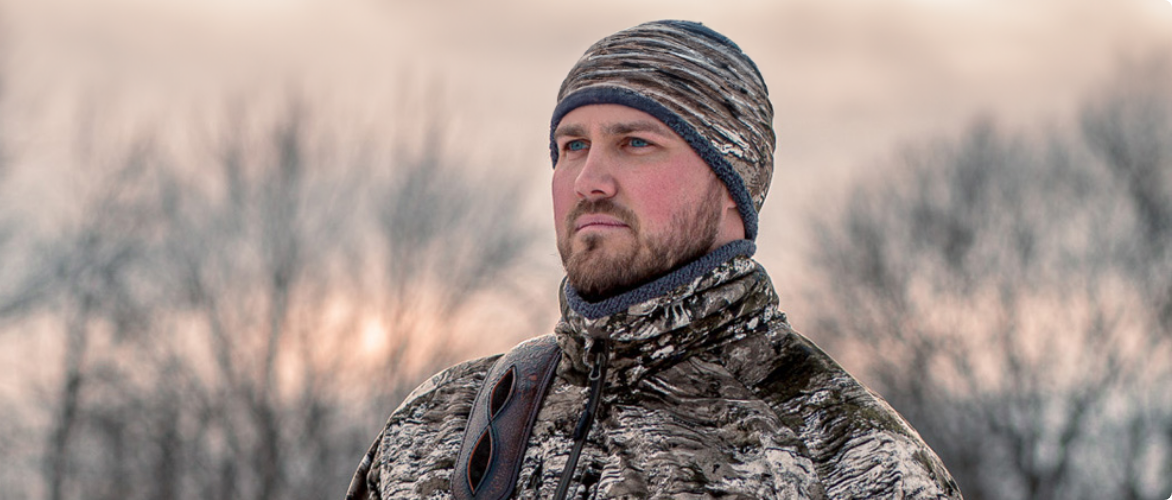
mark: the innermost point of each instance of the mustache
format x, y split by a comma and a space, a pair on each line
601, 206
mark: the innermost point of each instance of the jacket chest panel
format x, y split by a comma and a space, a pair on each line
689, 431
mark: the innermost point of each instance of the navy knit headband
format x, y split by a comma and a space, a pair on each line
698, 83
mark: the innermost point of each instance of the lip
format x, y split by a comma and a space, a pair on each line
597, 221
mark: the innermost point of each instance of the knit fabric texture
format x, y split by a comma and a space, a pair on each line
697, 82
660, 286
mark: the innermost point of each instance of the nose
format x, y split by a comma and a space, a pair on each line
596, 180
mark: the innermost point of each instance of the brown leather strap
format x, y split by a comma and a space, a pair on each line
501, 420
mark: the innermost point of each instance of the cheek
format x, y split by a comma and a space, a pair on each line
564, 198
663, 197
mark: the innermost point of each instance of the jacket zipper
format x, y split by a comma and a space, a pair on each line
597, 377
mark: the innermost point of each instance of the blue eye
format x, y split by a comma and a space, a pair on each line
576, 145
639, 143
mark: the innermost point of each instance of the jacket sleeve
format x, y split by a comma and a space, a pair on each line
415, 451
861, 447
364, 484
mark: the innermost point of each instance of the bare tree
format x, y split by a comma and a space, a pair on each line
215, 315
1128, 127
89, 283
449, 236
985, 286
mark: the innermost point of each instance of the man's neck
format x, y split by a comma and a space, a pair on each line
659, 286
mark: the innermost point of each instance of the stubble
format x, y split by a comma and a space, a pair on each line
599, 268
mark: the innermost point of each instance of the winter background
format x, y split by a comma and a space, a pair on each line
234, 234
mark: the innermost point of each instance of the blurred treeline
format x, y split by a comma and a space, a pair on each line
237, 323
1011, 294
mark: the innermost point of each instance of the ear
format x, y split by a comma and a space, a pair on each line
728, 203
732, 226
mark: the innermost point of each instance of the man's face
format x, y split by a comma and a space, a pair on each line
631, 200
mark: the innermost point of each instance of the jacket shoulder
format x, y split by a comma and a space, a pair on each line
861, 447
413, 455
445, 385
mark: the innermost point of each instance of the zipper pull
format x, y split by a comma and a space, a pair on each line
597, 374
597, 377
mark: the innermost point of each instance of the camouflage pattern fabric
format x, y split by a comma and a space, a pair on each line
710, 393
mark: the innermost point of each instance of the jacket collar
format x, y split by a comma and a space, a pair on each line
719, 298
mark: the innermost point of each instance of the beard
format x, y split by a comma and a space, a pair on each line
599, 269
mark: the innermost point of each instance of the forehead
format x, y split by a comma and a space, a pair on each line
609, 119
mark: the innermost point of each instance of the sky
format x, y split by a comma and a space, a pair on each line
851, 80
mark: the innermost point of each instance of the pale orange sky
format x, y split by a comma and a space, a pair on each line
850, 79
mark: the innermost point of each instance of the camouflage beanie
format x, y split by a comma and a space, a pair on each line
698, 83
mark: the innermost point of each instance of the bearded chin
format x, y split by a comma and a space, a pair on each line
599, 271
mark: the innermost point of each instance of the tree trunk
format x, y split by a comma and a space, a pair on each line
57, 455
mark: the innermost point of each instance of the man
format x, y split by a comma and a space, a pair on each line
672, 373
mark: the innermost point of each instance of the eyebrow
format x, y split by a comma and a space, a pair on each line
575, 130
569, 130
638, 126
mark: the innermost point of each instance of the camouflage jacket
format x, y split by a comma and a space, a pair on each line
709, 393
